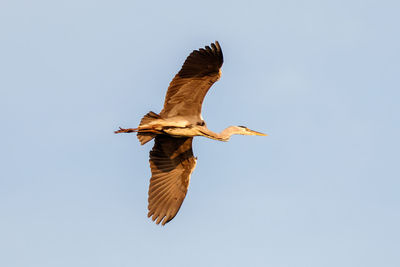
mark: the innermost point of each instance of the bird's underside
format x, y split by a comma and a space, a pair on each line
171, 159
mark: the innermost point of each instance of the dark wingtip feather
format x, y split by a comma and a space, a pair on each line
203, 61
216, 47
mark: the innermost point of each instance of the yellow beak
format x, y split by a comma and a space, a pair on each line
257, 133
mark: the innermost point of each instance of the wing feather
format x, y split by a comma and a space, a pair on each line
187, 90
171, 163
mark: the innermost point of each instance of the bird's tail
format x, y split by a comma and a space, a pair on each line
145, 136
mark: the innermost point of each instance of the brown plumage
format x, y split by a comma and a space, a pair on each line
171, 163
171, 159
187, 90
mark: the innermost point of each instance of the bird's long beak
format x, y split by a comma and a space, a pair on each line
257, 133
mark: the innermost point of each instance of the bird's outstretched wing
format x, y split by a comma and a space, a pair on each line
188, 88
171, 163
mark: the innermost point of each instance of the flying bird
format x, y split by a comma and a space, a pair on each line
171, 159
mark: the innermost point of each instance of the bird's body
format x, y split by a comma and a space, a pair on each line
171, 159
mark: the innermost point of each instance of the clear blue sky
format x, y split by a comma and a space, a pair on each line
320, 77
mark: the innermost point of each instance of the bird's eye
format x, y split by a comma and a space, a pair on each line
201, 123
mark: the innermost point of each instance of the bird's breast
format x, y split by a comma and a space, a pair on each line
188, 131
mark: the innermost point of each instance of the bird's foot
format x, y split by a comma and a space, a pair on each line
122, 130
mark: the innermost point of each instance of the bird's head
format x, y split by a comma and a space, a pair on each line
243, 130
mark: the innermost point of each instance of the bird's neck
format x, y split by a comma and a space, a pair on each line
224, 135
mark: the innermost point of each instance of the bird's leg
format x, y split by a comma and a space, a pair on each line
130, 130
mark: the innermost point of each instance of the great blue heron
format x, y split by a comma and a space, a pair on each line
171, 159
